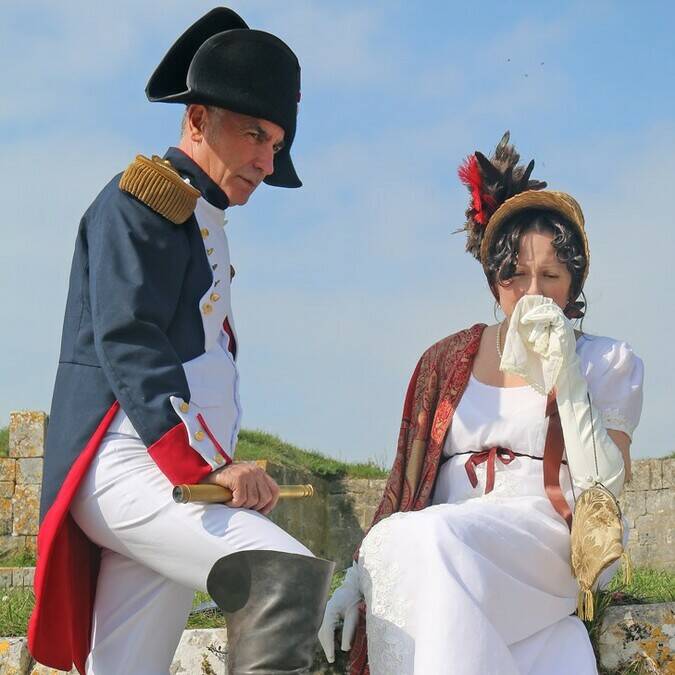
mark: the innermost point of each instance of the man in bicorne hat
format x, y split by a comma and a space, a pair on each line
146, 392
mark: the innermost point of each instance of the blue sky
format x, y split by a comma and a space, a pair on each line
342, 284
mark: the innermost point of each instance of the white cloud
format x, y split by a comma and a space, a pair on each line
59, 52
53, 46
336, 44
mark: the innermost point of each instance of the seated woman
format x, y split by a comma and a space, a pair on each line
466, 568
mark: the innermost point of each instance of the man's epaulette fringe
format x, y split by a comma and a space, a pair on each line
158, 185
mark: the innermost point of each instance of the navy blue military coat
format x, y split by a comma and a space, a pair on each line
148, 328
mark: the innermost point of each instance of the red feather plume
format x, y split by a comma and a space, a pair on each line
470, 174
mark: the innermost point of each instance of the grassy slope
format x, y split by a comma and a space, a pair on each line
259, 445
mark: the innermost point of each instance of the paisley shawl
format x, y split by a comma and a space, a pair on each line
433, 394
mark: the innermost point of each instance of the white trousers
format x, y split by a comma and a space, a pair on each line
155, 553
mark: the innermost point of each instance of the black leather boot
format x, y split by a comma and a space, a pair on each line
273, 604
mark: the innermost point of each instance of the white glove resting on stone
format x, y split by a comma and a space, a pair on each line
343, 604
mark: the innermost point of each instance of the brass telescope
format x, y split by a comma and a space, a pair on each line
216, 494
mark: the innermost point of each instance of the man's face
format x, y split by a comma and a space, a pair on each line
235, 150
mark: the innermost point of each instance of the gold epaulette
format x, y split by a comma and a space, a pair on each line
156, 183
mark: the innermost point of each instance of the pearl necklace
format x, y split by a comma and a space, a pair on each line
499, 340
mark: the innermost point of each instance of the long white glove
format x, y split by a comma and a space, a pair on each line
344, 604
541, 347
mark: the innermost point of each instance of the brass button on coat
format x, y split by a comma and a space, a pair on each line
205, 232
209, 251
218, 459
207, 308
215, 297
184, 406
199, 435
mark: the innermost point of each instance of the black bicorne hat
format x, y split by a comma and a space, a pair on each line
220, 61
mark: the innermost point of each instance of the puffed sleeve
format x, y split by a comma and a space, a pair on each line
615, 376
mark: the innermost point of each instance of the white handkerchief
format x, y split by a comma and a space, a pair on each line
533, 348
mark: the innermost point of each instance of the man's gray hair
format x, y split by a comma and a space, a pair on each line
183, 122
213, 110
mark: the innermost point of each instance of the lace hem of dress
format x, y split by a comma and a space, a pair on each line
386, 606
613, 418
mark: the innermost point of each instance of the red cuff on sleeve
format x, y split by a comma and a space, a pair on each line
177, 460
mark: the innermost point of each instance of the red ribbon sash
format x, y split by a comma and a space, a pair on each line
504, 455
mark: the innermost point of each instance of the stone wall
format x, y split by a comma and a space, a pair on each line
350, 507
649, 506
333, 521
20, 479
17, 577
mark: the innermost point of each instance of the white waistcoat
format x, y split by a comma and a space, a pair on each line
212, 417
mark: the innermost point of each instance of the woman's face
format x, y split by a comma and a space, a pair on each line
538, 272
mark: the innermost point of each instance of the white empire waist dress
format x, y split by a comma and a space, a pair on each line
478, 583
